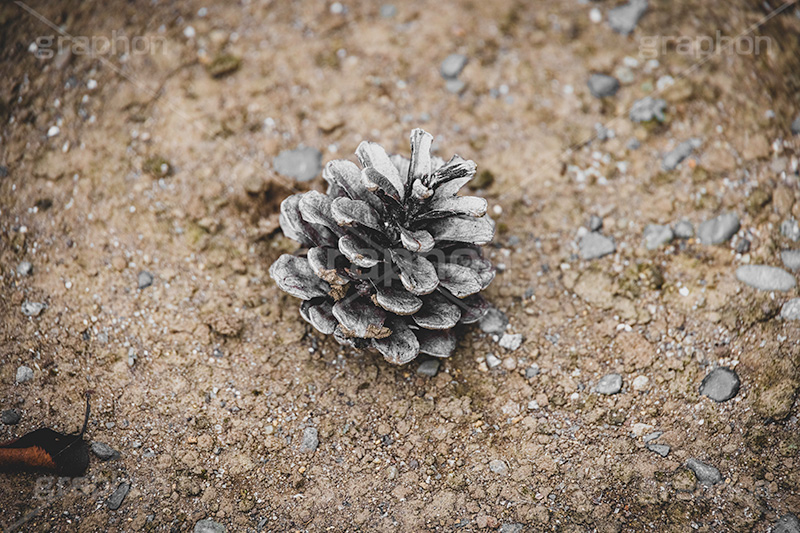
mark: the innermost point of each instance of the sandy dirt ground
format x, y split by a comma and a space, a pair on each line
160, 160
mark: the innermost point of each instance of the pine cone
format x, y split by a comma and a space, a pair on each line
393, 257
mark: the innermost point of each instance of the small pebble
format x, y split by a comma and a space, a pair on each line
719, 229
510, 363
660, 449
428, 368
652, 436
609, 384
796, 125
303, 163
494, 322
53, 131
115, 500
765, 277
24, 373
310, 440
641, 383
742, 246
595, 15
683, 230
533, 370
511, 528
705, 473
791, 259
791, 310
511, 342
209, 526
104, 452
452, 66
673, 158
32, 308
790, 229
388, 11
647, 109
603, 85
623, 19
145, 279
595, 223
721, 384
656, 235
594, 245
492, 361
633, 144
788, 523
498, 466
10, 417
25, 268
455, 86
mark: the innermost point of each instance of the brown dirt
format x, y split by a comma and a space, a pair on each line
167, 169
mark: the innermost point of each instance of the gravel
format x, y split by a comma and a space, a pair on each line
788, 523
660, 449
791, 259
721, 384
10, 417
511, 342
796, 125
492, 361
641, 383
32, 308
765, 277
705, 473
303, 163
719, 229
145, 279
104, 452
310, 440
609, 384
428, 368
623, 19
683, 230
790, 229
494, 322
594, 245
603, 85
595, 223
791, 310
532, 371
511, 528
452, 66
209, 526
116, 498
673, 158
24, 373
25, 268
656, 235
647, 109
498, 466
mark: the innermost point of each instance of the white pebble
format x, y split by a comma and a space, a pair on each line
189, 32
91, 85
595, 15
53, 131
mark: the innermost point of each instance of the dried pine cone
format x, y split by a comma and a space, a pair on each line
393, 259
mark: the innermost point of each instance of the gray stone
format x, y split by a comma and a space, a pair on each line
791, 310
594, 245
647, 109
428, 368
718, 229
796, 125
511, 342
303, 163
791, 259
511, 528
24, 373
452, 65
721, 384
656, 235
623, 19
32, 308
145, 279
209, 526
660, 449
104, 452
705, 473
532, 371
498, 466
116, 498
790, 229
788, 523
492, 361
683, 229
765, 277
25, 268
652, 436
494, 322
595, 223
455, 86
602, 85
10, 417
609, 384
742, 246
679, 153
388, 11
310, 440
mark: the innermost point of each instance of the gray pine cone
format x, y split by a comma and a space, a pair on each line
393, 257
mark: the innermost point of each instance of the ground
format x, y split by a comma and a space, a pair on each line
204, 381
